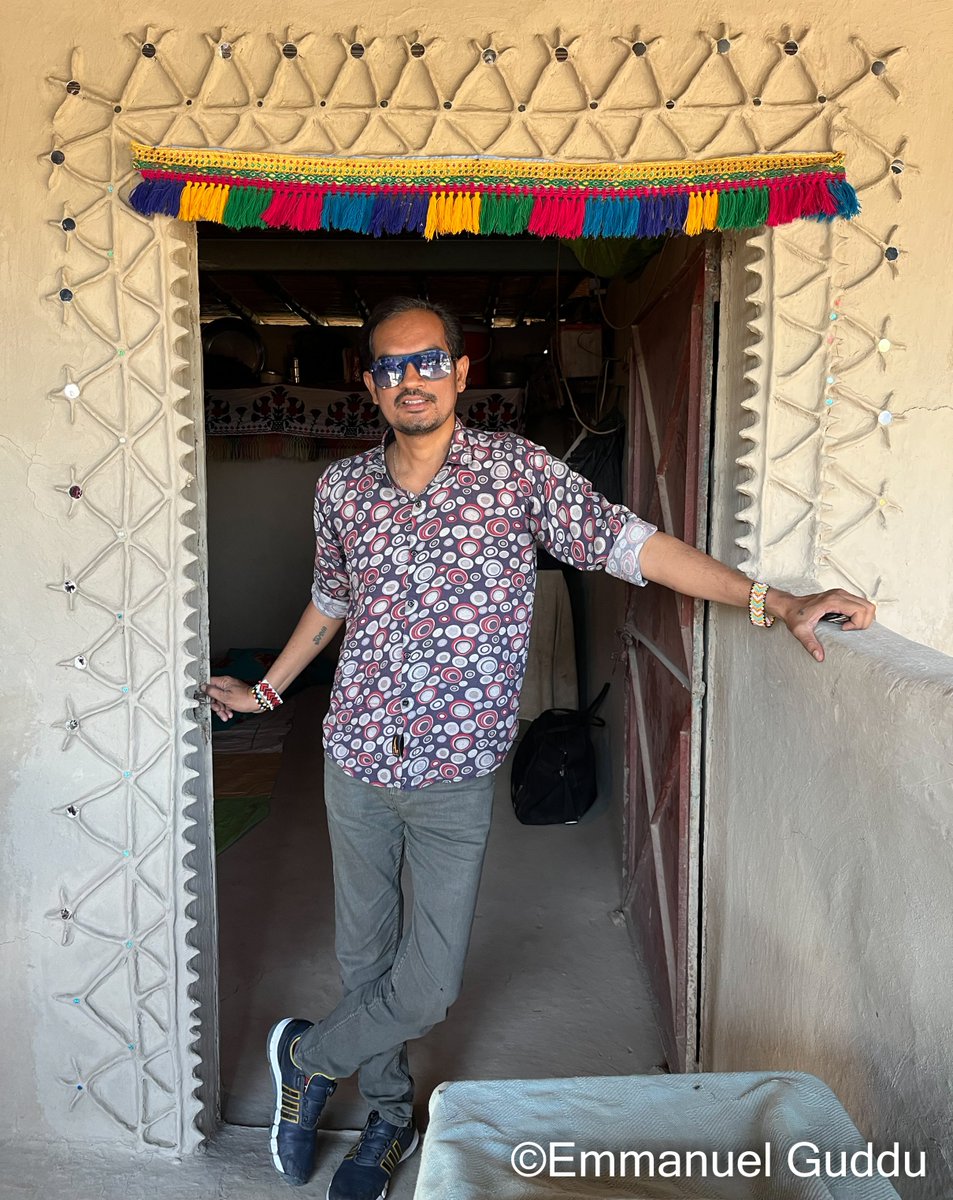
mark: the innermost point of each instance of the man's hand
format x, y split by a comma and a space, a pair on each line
229, 695
802, 613
674, 564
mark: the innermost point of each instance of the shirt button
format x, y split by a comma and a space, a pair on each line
418, 506
406, 703
411, 606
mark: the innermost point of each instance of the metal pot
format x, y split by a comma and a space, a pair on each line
507, 377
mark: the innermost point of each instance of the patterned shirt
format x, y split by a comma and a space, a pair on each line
437, 595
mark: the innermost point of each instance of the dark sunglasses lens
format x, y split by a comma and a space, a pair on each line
388, 373
434, 364
430, 364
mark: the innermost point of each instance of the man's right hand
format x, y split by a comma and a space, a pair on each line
230, 695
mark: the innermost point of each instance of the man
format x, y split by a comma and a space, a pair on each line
426, 547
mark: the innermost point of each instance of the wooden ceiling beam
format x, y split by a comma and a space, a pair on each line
211, 287
291, 302
221, 253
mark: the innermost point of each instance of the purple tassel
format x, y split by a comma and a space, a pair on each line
396, 212
141, 197
167, 196
651, 216
417, 217
378, 215
157, 196
677, 212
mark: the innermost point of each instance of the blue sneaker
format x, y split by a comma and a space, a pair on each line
367, 1167
298, 1103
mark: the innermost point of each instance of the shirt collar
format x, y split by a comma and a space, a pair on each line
459, 450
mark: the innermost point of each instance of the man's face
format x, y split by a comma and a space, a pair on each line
415, 405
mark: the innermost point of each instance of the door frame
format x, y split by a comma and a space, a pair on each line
690, 883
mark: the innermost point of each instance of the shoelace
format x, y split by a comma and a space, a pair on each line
374, 1142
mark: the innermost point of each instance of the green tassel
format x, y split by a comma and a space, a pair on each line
727, 209
758, 203
742, 208
505, 214
245, 206
490, 212
755, 206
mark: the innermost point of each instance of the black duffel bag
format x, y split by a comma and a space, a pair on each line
553, 780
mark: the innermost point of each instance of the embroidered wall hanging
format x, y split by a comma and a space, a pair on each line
488, 195
316, 423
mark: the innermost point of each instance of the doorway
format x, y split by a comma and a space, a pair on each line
280, 314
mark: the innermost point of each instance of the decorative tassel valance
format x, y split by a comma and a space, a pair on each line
433, 197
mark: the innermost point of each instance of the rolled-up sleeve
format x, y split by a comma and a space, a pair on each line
331, 590
578, 525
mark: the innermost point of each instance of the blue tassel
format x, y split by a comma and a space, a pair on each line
628, 217
614, 219
592, 223
417, 217
607, 217
379, 213
170, 196
350, 216
677, 212
352, 212
347, 210
330, 210
651, 216
157, 196
396, 211
338, 217
141, 197
363, 213
618, 219
846, 198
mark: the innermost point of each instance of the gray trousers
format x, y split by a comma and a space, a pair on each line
398, 983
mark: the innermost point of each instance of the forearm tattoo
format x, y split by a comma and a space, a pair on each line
320, 636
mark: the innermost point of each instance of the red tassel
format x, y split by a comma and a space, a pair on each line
807, 197
280, 212
823, 201
784, 203
307, 213
541, 216
558, 216
571, 217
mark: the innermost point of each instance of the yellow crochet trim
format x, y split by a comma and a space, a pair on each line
346, 169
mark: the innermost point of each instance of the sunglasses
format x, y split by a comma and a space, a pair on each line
389, 370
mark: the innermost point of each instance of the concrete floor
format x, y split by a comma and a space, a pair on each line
552, 988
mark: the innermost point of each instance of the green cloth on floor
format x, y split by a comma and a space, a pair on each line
235, 816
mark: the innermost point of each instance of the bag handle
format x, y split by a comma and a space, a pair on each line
596, 704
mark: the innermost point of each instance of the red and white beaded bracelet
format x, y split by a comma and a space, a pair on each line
268, 699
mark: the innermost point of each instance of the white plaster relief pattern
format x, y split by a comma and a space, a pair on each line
138, 911
827, 327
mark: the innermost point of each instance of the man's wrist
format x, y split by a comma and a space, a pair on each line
777, 603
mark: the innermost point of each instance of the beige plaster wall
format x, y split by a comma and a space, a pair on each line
829, 877
131, 868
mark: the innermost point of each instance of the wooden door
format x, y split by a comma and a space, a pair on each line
670, 404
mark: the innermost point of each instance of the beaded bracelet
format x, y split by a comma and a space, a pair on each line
756, 613
268, 699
